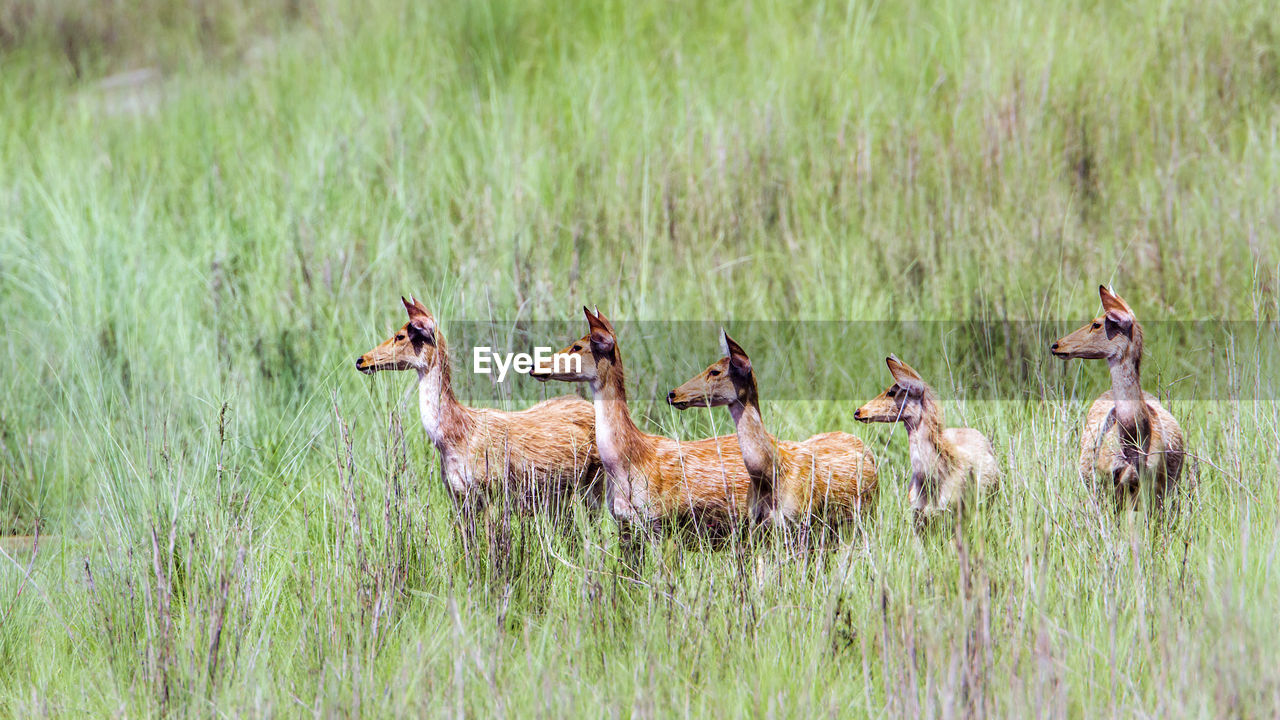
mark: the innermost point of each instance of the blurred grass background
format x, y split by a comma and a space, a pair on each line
207, 209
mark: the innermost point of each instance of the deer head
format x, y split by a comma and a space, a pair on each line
726, 381
586, 360
412, 347
903, 401
1111, 336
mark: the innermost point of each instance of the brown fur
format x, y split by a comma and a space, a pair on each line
653, 478
831, 475
539, 455
948, 465
1128, 435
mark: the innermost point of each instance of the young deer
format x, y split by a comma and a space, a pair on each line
831, 475
947, 465
542, 455
651, 478
1127, 434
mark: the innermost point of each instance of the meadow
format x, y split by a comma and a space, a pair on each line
208, 210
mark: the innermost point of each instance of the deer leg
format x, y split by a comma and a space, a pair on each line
919, 520
1164, 490
761, 501
464, 524
1169, 479
593, 489
1125, 479
632, 542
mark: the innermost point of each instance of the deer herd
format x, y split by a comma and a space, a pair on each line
567, 447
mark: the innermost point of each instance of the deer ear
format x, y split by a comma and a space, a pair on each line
594, 320
414, 307
913, 388
422, 327
1119, 318
601, 341
597, 319
1118, 324
601, 334
738, 360
608, 324
731, 347
1112, 302
900, 370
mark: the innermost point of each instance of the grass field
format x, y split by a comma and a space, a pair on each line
236, 522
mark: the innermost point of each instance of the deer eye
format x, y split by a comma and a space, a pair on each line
399, 338
891, 392
576, 348
713, 373
1096, 324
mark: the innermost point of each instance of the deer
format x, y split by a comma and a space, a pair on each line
949, 466
831, 476
652, 479
1128, 434
541, 455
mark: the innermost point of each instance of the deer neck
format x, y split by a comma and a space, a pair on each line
618, 440
759, 448
930, 454
1131, 412
443, 417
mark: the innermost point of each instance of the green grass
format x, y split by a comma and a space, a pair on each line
235, 230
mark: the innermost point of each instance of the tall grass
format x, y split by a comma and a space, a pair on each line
236, 521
